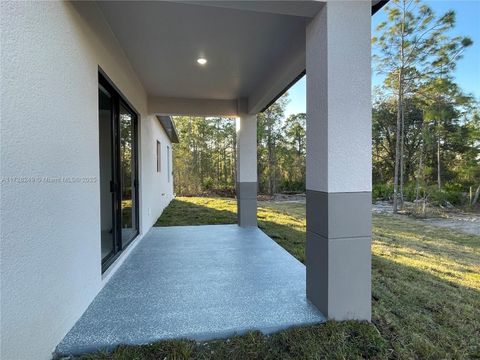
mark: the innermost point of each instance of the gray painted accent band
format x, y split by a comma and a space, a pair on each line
246, 190
339, 276
339, 215
316, 261
247, 203
247, 212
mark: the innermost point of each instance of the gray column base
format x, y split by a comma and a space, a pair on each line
338, 254
339, 215
247, 204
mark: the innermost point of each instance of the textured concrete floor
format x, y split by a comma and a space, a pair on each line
195, 282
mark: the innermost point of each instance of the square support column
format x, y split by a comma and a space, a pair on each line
338, 251
247, 170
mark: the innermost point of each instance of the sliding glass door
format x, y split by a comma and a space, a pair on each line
105, 129
128, 174
118, 172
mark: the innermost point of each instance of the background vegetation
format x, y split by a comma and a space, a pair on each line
426, 130
204, 160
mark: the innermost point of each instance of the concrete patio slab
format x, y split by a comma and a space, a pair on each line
195, 282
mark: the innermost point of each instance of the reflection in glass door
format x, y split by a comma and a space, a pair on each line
128, 175
118, 172
105, 129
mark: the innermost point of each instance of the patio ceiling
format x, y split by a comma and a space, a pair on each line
254, 49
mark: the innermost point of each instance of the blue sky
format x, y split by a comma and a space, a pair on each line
468, 68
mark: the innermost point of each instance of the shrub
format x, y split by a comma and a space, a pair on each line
207, 183
410, 192
451, 193
382, 192
441, 197
292, 186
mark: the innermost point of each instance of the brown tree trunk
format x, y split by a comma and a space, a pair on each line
402, 162
234, 172
397, 152
419, 173
271, 165
439, 177
399, 119
417, 185
477, 195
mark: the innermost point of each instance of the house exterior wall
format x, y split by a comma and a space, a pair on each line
50, 229
157, 186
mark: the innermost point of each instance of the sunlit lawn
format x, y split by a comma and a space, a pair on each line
425, 293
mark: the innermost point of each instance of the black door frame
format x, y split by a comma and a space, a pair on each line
116, 182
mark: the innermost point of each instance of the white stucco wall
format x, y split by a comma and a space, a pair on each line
50, 232
158, 189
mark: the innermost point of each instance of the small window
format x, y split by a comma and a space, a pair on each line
168, 163
159, 156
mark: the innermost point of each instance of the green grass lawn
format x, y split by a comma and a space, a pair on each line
425, 294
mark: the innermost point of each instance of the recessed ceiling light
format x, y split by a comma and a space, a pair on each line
202, 61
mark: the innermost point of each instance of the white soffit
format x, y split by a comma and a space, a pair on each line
163, 41
254, 49
283, 7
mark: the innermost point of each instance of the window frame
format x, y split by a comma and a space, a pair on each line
119, 99
168, 163
159, 156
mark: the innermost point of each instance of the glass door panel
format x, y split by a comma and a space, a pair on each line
118, 172
128, 175
105, 126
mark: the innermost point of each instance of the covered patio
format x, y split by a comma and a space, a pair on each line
195, 282
234, 59
165, 58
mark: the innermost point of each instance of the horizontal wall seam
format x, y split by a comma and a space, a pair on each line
340, 237
341, 192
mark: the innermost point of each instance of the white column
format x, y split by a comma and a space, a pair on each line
338, 255
246, 125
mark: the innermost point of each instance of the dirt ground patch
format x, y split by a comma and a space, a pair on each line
453, 219
447, 218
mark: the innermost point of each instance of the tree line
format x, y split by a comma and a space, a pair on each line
425, 128
204, 160
425, 135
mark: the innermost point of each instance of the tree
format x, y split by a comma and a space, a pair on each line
269, 125
204, 160
412, 48
294, 145
383, 136
441, 123
443, 101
